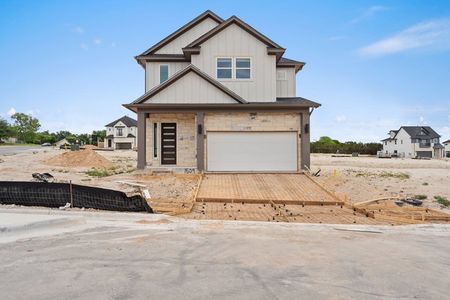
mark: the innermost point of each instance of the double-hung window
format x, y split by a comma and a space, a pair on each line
163, 73
224, 68
243, 68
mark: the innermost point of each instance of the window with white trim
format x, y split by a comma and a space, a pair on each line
243, 68
163, 73
224, 67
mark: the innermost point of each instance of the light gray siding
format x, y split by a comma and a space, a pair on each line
175, 46
152, 72
233, 41
285, 82
191, 88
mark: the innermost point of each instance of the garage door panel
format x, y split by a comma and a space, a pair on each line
252, 151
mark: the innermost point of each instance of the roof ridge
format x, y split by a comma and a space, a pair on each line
225, 24
181, 30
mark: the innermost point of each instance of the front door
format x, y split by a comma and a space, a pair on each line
109, 143
168, 143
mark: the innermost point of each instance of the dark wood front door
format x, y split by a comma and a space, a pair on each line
168, 143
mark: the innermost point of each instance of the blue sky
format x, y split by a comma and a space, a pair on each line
374, 65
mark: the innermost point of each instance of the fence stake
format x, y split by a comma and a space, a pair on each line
71, 194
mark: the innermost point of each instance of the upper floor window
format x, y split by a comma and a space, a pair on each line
224, 68
163, 73
119, 131
243, 68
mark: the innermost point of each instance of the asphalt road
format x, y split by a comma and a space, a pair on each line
98, 255
8, 150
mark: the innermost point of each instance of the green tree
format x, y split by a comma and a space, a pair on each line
5, 129
26, 127
62, 134
98, 136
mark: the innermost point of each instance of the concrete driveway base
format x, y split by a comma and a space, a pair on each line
141, 256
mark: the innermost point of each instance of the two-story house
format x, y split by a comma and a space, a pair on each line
220, 96
447, 148
121, 134
412, 142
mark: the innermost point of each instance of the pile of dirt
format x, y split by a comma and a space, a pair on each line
82, 158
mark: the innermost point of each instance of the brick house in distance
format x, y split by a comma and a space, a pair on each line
220, 97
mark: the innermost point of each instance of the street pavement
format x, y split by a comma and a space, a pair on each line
53, 254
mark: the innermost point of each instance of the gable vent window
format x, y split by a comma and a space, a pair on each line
163, 73
224, 67
243, 68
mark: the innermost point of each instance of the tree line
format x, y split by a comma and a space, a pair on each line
327, 145
25, 128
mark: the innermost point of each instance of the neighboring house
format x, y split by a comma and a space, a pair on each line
412, 142
121, 134
447, 148
62, 142
220, 96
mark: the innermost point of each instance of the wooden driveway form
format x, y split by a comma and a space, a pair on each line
296, 189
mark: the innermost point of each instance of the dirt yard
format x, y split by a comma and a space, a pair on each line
354, 178
365, 178
113, 169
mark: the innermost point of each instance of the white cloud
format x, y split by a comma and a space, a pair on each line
84, 46
434, 34
97, 41
78, 29
444, 132
113, 45
341, 118
422, 121
11, 112
368, 13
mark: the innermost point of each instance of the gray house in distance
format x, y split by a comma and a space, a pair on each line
221, 97
121, 134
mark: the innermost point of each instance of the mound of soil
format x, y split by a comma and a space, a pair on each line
82, 158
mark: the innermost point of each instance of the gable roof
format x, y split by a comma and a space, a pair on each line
129, 122
180, 74
273, 48
446, 142
181, 30
287, 62
415, 132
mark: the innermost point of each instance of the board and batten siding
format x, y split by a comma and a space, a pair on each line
152, 72
175, 46
191, 88
233, 41
286, 86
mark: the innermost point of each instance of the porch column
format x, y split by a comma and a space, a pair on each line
305, 159
142, 143
200, 122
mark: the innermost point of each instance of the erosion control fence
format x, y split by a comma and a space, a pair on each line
58, 194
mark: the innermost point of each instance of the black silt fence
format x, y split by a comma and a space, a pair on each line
58, 194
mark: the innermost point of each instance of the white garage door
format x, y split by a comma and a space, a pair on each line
251, 151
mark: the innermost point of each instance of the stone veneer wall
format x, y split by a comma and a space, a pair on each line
186, 145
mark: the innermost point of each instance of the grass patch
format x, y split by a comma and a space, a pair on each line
114, 170
442, 201
400, 175
420, 197
98, 172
